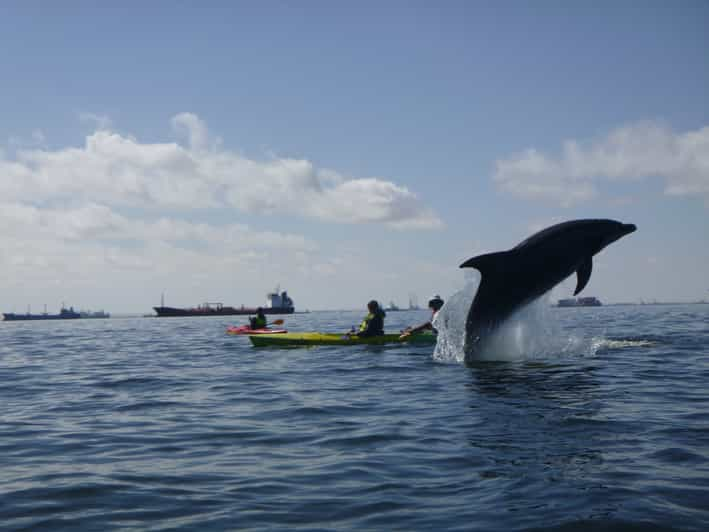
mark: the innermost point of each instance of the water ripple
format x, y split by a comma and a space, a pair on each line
154, 424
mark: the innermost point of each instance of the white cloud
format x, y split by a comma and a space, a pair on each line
117, 170
631, 153
94, 222
364, 200
47, 254
195, 128
116, 221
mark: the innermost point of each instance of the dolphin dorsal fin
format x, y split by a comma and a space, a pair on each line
583, 274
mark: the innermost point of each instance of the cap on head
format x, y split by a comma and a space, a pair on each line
435, 303
373, 305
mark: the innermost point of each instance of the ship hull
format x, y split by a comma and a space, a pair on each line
172, 312
40, 317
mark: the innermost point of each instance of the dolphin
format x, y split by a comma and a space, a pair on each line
511, 279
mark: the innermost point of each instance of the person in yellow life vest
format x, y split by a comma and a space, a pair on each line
435, 304
259, 321
373, 323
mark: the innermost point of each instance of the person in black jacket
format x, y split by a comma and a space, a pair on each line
373, 323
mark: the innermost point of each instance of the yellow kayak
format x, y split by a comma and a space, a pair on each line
292, 339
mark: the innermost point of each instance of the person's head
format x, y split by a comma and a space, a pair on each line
259, 311
373, 306
435, 303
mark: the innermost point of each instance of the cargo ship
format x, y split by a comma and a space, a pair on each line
579, 302
64, 314
276, 303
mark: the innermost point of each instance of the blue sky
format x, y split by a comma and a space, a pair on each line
346, 151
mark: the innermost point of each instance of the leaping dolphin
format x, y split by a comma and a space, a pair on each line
510, 279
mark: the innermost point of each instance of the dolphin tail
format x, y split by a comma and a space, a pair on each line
490, 301
488, 264
496, 270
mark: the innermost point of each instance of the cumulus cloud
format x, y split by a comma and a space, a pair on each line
49, 253
119, 218
364, 200
195, 128
116, 170
94, 222
632, 153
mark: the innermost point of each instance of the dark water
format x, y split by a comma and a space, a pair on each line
171, 424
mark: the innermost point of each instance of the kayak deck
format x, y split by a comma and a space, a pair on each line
294, 339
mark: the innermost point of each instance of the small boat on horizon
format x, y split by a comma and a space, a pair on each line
579, 302
88, 314
393, 307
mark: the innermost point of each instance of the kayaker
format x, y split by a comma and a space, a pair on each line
435, 304
373, 323
259, 321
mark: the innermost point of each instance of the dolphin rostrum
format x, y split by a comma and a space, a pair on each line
510, 279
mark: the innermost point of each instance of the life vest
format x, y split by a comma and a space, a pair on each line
363, 326
257, 322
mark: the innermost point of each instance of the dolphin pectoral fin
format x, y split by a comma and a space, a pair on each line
583, 274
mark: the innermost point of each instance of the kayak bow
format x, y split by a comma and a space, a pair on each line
245, 329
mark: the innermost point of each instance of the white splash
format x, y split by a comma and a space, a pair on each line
450, 322
605, 343
531, 333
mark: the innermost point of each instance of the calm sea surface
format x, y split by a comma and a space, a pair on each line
172, 424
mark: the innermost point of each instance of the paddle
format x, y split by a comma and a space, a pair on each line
277, 322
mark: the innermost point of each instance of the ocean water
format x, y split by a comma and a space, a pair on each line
170, 424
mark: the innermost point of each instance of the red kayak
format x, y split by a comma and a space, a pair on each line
245, 329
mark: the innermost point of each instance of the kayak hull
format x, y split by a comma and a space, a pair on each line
296, 339
245, 329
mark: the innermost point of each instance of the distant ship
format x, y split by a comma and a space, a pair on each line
392, 307
579, 302
87, 314
276, 303
413, 302
64, 314
413, 305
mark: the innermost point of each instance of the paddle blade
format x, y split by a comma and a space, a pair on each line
277, 322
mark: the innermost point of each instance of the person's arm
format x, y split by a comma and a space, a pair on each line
418, 328
357, 332
367, 331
